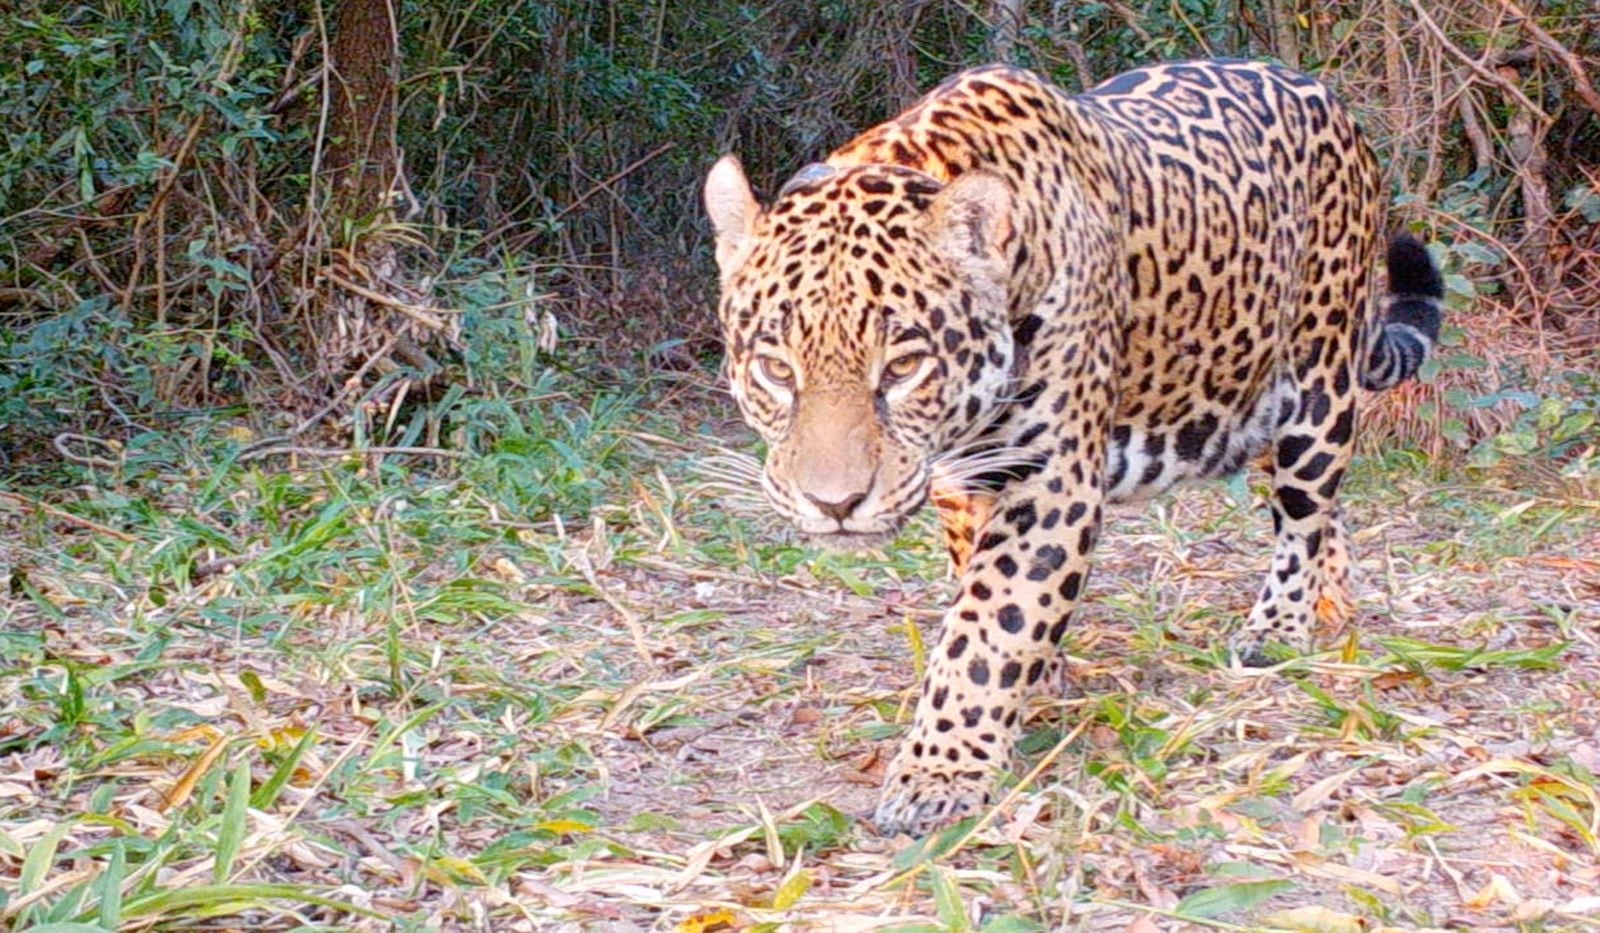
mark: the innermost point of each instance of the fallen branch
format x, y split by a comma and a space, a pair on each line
60, 442
348, 452
422, 315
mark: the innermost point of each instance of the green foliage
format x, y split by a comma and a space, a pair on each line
90, 94
819, 828
541, 462
1562, 428
553, 153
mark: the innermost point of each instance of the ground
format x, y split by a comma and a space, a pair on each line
568, 686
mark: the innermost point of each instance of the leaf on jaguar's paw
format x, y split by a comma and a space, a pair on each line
1335, 606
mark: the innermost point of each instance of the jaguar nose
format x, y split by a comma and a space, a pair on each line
841, 509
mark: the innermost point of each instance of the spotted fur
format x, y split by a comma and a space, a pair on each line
1032, 304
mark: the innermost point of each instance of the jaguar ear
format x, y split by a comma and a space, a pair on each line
971, 217
732, 209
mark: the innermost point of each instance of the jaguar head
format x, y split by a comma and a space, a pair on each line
866, 328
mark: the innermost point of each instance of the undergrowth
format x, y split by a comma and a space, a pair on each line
547, 680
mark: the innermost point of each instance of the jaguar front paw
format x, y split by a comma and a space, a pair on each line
1257, 649
917, 801
1286, 622
1272, 635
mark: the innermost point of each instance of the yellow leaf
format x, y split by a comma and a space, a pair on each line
563, 826
709, 921
918, 653
450, 869
199, 730
793, 888
279, 738
510, 572
1314, 920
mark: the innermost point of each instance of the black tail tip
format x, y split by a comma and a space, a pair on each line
1411, 269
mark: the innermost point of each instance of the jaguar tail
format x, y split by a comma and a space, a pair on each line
1410, 328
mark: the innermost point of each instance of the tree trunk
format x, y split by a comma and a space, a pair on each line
364, 310
1006, 16
1285, 38
362, 159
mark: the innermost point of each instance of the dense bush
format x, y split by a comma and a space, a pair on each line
169, 242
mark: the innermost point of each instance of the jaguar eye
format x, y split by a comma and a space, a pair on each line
902, 368
776, 371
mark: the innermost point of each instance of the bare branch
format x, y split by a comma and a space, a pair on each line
1478, 67
1580, 77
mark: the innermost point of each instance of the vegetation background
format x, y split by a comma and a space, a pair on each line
239, 240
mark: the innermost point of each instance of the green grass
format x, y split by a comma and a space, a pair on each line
555, 684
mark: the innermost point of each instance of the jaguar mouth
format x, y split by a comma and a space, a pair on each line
849, 540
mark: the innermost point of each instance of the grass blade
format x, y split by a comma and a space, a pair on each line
1228, 898
207, 897
110, 883
232, 831
34, 868
947, 899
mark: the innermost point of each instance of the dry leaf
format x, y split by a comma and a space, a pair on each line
1315, 920
709, 921
179, 794
1498, 889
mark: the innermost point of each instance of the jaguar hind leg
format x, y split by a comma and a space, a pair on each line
1307, 589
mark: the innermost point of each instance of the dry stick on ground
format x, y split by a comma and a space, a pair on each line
349, 452
19, 499
60, 442
628, 618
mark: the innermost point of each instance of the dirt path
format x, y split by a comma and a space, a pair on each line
453, 719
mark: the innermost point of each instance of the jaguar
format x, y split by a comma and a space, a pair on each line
1022, 305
